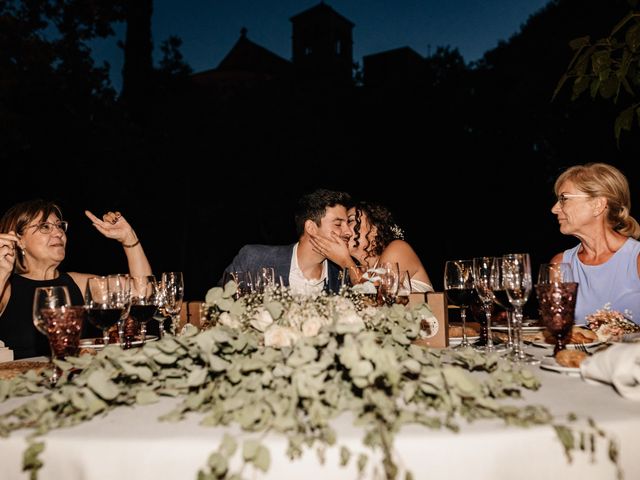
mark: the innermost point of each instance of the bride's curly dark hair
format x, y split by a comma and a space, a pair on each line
381, 218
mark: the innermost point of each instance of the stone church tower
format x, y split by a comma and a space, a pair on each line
322, 46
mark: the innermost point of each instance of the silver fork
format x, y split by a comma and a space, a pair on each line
581, 347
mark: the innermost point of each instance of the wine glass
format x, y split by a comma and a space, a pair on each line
239, 277
388, 288
458, 284
557, 293
45, 299
265, 277
554, 273
500, 298
172, 286
144, 302
516, 273
103, 308
404, 288
484, 281
48, 297
120, 291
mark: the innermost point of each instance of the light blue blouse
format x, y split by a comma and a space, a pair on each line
616, 282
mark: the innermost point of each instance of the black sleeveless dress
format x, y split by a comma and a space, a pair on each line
16, 322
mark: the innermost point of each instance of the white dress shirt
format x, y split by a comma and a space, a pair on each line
299, 284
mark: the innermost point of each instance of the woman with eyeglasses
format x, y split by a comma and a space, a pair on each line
594, 206
33, 243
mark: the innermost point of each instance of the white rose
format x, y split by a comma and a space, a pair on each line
229, 321
261, 320
350, 318
365, 288
278, 337
311, 326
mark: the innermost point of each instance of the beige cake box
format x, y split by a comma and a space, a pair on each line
437, 301
6, 354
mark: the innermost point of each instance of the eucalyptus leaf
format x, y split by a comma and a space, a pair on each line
146, 397
102, 385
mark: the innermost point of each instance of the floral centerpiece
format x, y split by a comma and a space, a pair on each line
611, 325
283, 318
280, 364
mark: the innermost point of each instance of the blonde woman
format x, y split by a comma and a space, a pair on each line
594, 206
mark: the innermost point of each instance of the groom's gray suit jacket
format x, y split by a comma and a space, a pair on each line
252, 257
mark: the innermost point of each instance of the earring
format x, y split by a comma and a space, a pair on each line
23, 251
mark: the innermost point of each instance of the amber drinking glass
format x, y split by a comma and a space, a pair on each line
63, 325
557, 293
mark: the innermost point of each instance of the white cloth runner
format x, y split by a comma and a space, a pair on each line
618, 365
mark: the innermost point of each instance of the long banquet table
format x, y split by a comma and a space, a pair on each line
132, 443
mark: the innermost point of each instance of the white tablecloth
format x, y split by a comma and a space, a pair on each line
132, 443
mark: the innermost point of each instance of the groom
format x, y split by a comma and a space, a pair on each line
304, 270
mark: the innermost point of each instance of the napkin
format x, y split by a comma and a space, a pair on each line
6, 354
618, 365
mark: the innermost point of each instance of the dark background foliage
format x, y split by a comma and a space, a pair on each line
200, 172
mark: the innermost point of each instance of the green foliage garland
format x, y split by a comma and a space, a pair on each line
370, 369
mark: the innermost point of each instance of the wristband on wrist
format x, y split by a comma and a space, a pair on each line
137, 242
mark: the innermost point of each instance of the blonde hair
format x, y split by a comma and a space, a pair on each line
603, 180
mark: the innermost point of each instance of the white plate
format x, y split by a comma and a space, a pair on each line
453, 341
525, 328
97, 342
549, 363
570, 346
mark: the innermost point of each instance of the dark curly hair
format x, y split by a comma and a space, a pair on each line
313, 206
381, 218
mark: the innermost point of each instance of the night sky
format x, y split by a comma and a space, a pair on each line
210, 28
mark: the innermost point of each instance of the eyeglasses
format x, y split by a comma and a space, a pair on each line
47, 227
562, 198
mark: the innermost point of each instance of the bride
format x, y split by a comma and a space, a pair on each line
375, 239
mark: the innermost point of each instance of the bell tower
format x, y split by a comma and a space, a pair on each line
322, 46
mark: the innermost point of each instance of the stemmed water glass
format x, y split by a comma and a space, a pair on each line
46, 299
265, 277
557, 293
458, 284
144, 302
484, 281
388, 288
120, 292
501, 298
404, 288
172, 288
242, 279
516, 273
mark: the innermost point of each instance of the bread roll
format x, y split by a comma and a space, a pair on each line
570, 358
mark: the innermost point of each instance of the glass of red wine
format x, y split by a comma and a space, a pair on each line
459, 286
104, 309
144, 302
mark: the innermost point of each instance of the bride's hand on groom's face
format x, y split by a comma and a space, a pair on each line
334, 248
